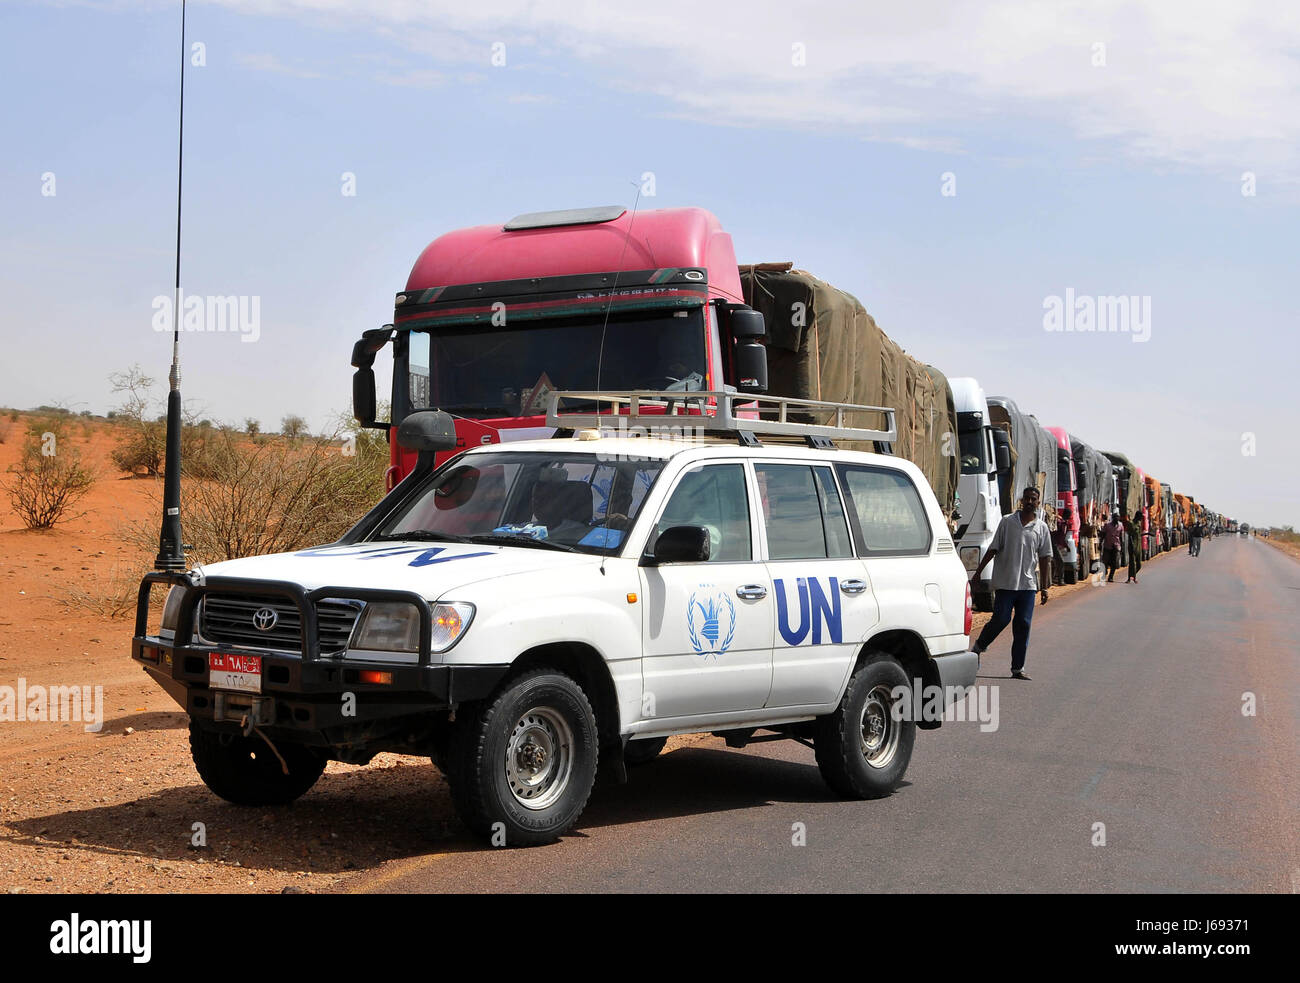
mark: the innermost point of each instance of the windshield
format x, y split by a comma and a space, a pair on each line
479, 371
573, 502
972, 451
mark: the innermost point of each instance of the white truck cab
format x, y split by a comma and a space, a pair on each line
979, 504
528, 612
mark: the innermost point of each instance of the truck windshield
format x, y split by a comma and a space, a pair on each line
484, 371
575, 502
972, 451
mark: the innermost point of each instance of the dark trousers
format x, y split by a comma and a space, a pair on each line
1134, 561
1014, 607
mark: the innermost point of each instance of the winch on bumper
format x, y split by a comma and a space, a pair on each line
318, 699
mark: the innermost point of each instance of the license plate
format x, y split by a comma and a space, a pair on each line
242, 673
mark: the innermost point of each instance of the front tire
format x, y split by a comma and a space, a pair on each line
522, 767
862, 751
245, 771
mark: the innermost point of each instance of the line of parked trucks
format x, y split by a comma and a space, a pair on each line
495, 318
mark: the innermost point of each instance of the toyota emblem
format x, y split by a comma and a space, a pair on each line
264, 619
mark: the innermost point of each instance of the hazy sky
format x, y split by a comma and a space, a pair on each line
1099, 147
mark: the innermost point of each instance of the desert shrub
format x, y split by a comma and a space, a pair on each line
252, 427
49, 478
6, 428
293, 426
272, 495
145, 444
111, 595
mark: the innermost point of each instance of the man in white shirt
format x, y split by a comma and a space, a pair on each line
1023, 546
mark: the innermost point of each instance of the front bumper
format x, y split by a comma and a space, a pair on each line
320, 699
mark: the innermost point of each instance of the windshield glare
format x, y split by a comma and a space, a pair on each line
571, 500
482, 371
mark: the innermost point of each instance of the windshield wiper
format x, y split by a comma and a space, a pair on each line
421, 536
516, 539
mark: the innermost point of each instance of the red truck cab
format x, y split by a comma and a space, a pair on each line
495, 317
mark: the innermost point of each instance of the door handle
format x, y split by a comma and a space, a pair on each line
752, 592
852, 586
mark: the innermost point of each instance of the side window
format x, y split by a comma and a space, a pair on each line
712, 496
886, 510
802, 512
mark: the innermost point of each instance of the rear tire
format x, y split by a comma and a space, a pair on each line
522, 766
640, 752
862, 751
245, 771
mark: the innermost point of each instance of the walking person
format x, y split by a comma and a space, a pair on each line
1134, 526
1023, 547
1112, 538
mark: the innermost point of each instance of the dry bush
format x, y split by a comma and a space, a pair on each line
111, 595
49, 478
274, 495
6, 428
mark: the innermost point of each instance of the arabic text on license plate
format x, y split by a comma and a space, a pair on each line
238, 672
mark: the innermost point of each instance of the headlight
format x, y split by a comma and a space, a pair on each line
394, 626
172, 608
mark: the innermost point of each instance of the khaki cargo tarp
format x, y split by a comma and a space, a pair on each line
822, 344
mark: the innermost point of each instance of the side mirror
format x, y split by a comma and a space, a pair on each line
1001, 451
363, 380
427, 430
363, 396
683, 544
749, 356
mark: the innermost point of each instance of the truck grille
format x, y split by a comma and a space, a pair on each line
229, 619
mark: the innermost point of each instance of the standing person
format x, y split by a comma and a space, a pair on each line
1112, 546
1023, 547
1191, 539
1134, 527
1198, 533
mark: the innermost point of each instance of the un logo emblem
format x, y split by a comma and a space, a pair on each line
711, 620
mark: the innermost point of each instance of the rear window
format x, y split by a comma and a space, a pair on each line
886, 510
802, 512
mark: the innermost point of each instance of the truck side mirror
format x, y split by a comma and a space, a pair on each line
363, 396
1001, 452
363, 380
749, 357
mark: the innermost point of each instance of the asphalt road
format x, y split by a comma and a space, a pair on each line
1133, 719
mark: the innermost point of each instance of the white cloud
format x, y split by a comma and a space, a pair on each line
264, 62
1198, 83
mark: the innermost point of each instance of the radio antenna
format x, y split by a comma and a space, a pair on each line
171, 551
600, 358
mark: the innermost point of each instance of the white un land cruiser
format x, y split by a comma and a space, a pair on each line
531, 612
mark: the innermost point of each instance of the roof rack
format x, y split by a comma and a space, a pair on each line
741, 415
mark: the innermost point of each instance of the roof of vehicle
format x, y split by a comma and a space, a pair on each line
658, 239
616, 448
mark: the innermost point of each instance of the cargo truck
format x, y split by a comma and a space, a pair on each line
496, 317
979, 497
1096, 497
1066, 537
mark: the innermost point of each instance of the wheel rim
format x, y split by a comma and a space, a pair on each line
879, 731
539, 758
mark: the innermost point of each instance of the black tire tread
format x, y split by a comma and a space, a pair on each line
228, 772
